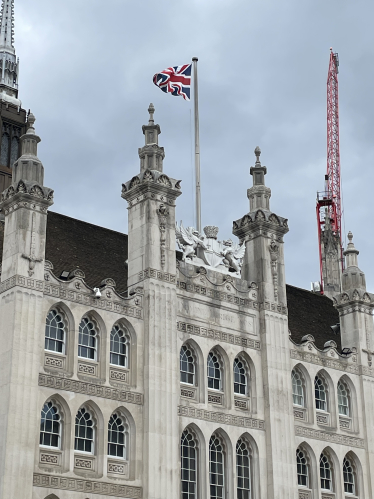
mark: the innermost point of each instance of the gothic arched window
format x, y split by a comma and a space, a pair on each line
84, 431
320, 393
187, 365
4, 153
117, 436
325, 472
349, 477
87, 341
188, 466
214, 372
297, 388
119, 347
216, 468
50, 426
243, 469
302, 469
54, 332
343, 399
240, 377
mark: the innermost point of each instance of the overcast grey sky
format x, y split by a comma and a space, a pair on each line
86, 70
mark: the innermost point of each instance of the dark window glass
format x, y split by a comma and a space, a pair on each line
216, 468
54, 332
119, 347
325, 472
187, 366
50, 425
214, 372
243, 470
302, 469
84, 431
240, 377
188, 466
117, 436
87, 339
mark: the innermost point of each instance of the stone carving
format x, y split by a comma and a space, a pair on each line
32, 258
304, 494
157, 274
216, 294
322, 419
26, 187
84, 464
345, 424
162, 213
274, 254
86, 369
214, 398
190, 394
119, 469
299, 414
90, 486
117, 375
325, 362
164, 180
188, 240
91, 389
241, 403
54, 362
48, 459
220, 417
218, 335
301, 431
233, 255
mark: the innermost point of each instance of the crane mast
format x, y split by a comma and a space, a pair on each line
329, 206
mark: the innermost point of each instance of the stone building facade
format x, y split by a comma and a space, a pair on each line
131, 369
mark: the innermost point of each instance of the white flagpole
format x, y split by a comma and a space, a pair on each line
197, 147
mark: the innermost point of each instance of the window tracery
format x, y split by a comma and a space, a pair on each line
87, 340
84, 431
240, 377
117, 436
343, 399
50, 426
119, 347
243, 469
54, 332
188, 466
302, 469
349, 477
216, 468
297, 388
320, 394
325, 472
187, 365
214, 372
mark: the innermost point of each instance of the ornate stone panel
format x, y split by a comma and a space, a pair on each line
157, 274
53, 361
83, 463
87, 368
305, 494
90, 389
89, 486
300, 414
188, 392
215, 398
300, 431
325, 362
119, 375
218, 335
220, 417
241, 403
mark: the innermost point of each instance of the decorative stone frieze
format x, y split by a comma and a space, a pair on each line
119, 375
88, 486
345, 423
300, 413
50, 458
220, 417
215, 398
189, 392
91, 389
325, 362
216, 294
218, 335
301, 431
117, 468
83, 463
157, 274
52, 361
241, 403
87, 368
24, 282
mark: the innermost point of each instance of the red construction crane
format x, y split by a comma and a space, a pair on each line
329, 201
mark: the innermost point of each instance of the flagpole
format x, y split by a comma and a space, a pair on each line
197, 147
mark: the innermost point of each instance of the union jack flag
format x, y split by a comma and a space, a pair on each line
176, 80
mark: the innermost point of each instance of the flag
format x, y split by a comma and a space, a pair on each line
176, 80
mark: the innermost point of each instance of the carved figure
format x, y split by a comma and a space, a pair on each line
233, 254
188, 241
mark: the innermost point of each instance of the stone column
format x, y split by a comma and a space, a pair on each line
24, 205
151, 199
262, 232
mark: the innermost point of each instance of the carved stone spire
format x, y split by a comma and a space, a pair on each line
9, 64
151, 155
29, 167
259, 194
353, 277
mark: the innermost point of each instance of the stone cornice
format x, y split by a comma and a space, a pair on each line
329, 362
86, 486
221, 417
260, 222
61, 292
216, 335
148, 184
335, 438
91, 389
157, 274
25, 194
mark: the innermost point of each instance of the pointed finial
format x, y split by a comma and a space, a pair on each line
30, 122
151, 111
350, 236
258, 154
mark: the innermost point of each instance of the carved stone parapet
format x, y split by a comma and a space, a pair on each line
28, 192
151, 182
327, 436
221, 418
354, 300
260, 219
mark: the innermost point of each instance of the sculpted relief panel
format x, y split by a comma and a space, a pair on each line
209, 314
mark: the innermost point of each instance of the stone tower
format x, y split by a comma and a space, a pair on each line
24, 205
151, 199
12, 116
262, 232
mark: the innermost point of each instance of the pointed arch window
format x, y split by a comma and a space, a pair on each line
214, 372
297, 388
243, 469
240, 377
84, 431
302, 469
119, 347
4, 153
13, 151
325, 472
188, 466
187, 365
320, 393
349, 477
54, 332
216, 468
343, 399
117, 436
50, 426
87, 340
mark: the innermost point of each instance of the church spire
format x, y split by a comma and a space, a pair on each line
7, 26
9, 64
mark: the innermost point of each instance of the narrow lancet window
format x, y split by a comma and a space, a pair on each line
188, 466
